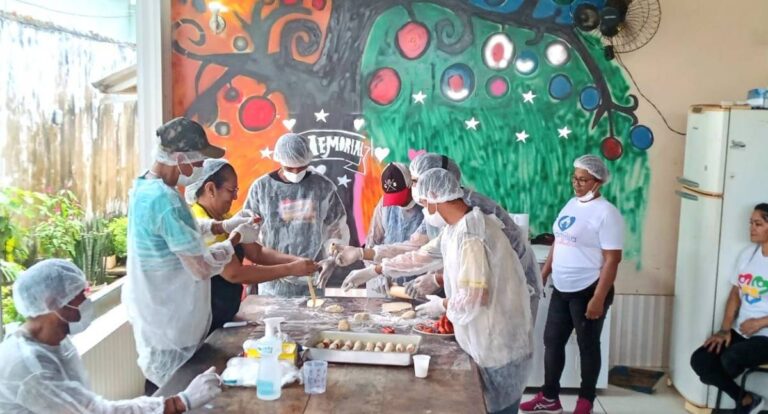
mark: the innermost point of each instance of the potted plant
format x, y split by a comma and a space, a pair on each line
58, 234
9, 317
92, 249
118, 230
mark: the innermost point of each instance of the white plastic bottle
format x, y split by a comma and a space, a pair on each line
269, 380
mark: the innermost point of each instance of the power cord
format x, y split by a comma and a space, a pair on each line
634, 82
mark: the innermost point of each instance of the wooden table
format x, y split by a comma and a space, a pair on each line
453, 384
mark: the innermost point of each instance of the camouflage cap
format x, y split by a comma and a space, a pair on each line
185, 135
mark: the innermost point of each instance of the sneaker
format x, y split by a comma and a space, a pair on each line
757, 405
583, 406
541, 405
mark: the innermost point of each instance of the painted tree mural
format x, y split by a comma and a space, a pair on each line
508, 88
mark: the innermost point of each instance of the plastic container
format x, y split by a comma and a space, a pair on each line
421, 365
269, 380
315, 377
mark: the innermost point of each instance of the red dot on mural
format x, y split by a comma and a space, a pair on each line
384, 86
497, 52
318, 4
612, 148
257, 113
456, 83
412, 40
290, 2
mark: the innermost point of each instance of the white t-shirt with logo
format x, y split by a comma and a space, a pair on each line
752, 281
582, 231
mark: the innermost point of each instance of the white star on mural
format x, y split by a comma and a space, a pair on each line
266, 153
320, 116
472, 123
528, 97
522, 136
563, 132
419, 97
343, 180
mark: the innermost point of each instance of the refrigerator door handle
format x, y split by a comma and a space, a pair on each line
687, 196
738, 144
688, 183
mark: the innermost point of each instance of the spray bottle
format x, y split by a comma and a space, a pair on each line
269, 380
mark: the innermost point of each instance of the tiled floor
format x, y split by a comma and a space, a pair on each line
615, 400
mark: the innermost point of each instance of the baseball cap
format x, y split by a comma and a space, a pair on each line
396, 183
185, 135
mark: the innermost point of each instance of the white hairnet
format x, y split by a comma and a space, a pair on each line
292, 150
430, 160
439, 186
170, 158
210, 167
47, 286
595, 166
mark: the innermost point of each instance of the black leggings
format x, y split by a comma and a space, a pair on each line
720, 369
566, 313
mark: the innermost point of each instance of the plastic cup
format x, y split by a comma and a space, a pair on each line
315, 376
421, 365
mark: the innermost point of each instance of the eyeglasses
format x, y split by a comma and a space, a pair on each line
581, 181
231, 190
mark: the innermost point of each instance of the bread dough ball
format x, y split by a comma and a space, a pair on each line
347, 347
399, 348
320, 345
411, 348
409, 315
362, 316
327, 342
334, 345
369, 347
389, 347
316, 303
334, 309
343, 325
358, 346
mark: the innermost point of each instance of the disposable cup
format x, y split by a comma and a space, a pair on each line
421, 365
315, 376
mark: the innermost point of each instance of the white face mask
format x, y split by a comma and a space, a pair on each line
294, 177
86, 317
197, 174
434, 219
589, 196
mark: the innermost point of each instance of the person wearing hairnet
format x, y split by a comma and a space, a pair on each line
167, 289
431, 282
303, 215
40, 369
589, 236
396, 217
210, 198
485, 288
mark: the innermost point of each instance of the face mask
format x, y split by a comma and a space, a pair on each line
434, 219
294, 177
197, 174
86, 317
589, 196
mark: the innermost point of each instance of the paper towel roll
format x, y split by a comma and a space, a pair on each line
522, 221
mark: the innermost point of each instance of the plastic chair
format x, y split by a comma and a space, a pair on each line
762, 368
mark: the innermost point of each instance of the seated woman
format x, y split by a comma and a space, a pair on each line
737, 347
211, 197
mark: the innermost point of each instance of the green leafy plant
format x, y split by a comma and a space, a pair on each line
9, 271
10, 314
92, 248
18, 209
118, 229
57, 235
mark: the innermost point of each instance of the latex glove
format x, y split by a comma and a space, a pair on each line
422, 286
433, 309
348, 255
327, 266
249, 233
229, 225
358, 277
304, 267
381, 284
202, 390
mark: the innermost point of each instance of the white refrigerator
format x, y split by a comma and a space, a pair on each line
724, 176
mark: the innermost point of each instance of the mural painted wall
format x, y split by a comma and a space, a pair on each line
508, 88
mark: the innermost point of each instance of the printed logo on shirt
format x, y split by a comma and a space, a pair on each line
753, 288
297, 210
566, 222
